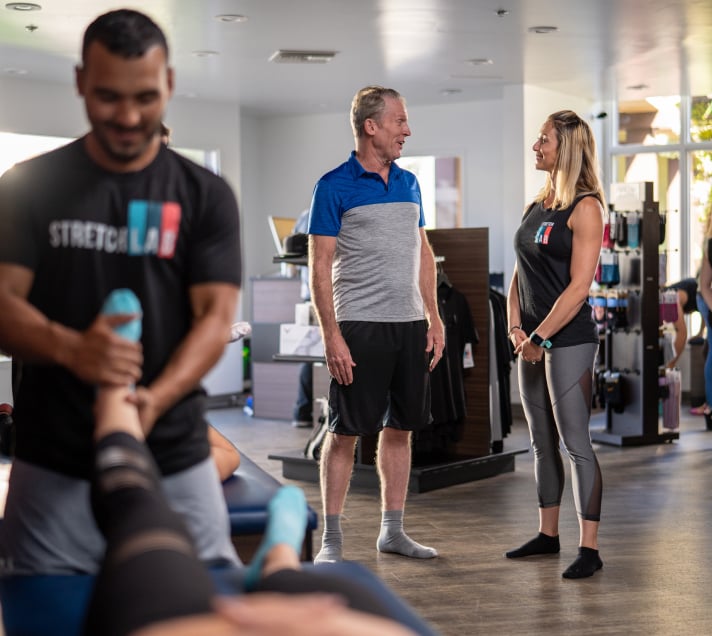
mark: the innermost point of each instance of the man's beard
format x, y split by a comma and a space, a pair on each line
120, 154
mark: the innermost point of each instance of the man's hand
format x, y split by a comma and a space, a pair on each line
435, 341
338, 359
100, 356
148, 409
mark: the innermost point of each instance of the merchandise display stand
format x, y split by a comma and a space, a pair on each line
465, 255
632, 352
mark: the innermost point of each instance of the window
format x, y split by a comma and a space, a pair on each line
700, 202
653, 121
668, 140
439, 179
16, 147
663, 170
701, 118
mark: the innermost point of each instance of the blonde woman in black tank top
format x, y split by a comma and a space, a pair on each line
553, 333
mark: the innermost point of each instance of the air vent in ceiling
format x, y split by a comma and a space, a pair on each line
284, 56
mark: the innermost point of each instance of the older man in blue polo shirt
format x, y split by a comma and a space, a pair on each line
373, 285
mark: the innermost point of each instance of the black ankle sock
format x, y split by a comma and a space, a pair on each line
586, 563
541, 544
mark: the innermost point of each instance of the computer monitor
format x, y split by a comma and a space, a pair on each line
281, 227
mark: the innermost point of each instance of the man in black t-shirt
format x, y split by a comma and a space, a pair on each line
114, 209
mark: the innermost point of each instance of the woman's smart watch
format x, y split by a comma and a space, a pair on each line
539, 341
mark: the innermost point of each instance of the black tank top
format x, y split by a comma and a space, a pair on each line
543, 246
689, 286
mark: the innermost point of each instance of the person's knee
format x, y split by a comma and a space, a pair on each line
580, 453
340, 445
394, 440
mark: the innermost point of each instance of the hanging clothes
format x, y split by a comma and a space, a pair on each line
448, 405
504, 354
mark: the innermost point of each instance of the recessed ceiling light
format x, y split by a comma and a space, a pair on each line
501, 12
205, 53
283, 56
637, 87
480, 61
479, 78
450, 91
23, 6
231, 17
543, 29
14, 71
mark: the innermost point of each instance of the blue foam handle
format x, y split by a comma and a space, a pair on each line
124, 301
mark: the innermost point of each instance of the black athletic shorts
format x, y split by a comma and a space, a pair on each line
391, 384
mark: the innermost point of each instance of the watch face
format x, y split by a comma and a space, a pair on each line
539, 341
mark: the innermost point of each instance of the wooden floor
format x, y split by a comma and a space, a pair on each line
655, 541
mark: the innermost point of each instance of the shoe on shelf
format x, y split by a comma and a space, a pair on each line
698, 410
302, 423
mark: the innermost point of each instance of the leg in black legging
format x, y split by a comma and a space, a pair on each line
150, 570
356, 595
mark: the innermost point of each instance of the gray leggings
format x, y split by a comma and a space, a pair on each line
556, 397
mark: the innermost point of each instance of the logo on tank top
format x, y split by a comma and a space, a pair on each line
152, 230
542, 234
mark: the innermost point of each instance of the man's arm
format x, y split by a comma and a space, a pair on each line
436, 330
336, 351
96, 355
213, 306
680, 331
223, 452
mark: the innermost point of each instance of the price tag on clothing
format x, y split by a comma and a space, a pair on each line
468, 360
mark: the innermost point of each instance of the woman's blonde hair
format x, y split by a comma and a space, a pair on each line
576, 169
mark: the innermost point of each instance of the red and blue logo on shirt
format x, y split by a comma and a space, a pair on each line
153, 228
542, 234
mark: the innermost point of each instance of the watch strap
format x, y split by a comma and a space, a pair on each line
539, 341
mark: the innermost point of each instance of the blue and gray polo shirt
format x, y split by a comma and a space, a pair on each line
376, 269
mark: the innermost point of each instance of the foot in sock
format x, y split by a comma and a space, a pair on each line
401, 543
332, 541
286, 525
586, 564
393, 538
329, 554
541, 544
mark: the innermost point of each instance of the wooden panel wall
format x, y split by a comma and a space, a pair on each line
466, 254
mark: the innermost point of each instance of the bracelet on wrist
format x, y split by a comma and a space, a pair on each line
512, 330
